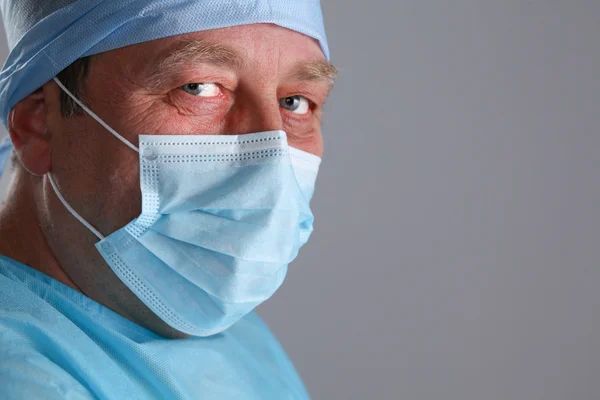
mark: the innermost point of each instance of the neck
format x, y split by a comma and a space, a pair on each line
20, 231
22, 238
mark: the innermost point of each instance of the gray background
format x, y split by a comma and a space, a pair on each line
458, 235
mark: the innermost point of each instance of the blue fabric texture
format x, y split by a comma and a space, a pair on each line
5, 152
56, 343
47, 36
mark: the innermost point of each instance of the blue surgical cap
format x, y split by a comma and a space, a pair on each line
46, 36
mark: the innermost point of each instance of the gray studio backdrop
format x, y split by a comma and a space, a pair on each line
457, 243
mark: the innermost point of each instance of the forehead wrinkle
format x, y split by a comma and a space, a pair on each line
190, 52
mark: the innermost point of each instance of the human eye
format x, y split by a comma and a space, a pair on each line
297, 104
202, 89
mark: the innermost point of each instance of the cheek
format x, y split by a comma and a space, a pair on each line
122, 197
318, 146
309, 142
171, 114
98, 174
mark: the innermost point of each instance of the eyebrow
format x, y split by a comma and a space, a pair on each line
196, 52
319, 70
202, 52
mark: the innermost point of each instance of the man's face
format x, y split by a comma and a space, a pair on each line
237, 80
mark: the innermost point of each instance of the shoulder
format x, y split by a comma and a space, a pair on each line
30, 360
27, 373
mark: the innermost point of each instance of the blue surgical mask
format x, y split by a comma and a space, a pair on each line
222, 217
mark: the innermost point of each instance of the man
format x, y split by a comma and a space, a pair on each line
165, 155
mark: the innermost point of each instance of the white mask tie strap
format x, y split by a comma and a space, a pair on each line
72, 211
97, 118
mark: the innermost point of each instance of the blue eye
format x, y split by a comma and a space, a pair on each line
296, 104
201, 89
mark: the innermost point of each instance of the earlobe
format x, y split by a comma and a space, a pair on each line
29, 133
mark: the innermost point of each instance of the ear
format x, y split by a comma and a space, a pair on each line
29, 133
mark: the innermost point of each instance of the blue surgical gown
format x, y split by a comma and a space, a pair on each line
56, 343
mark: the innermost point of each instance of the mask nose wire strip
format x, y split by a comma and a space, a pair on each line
72, 211
97, 118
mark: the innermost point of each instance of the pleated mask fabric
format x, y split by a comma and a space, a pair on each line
221, 220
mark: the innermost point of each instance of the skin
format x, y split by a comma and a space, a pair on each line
99, 176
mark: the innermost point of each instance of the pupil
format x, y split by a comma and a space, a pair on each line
193, 86
290, 101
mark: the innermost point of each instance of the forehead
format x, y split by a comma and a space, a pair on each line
250, 45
